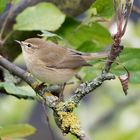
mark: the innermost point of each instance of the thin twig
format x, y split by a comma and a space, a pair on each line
7, 36
136, 9
129, 9
5, 21
116, 48
115, 7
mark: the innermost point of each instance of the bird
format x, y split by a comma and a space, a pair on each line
52, 63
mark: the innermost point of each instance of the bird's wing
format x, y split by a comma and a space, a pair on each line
62, 58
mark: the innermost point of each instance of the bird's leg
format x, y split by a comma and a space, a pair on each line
61, 95
40, 86
79, 78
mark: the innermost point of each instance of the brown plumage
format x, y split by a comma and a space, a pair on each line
52, 63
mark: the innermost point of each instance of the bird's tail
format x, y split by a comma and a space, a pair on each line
92, 56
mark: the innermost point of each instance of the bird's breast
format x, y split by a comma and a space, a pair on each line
47, 74
52, 75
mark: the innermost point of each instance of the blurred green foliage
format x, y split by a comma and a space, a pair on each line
33, 18
103, 8
19, 130
3, 5
76, 34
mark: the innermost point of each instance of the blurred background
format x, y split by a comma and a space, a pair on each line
85, 25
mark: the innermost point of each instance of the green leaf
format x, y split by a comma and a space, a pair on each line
104, 8
89, 46
14, 90
16, 1
132, 135
43, 16
130, 59
18, 130
76, 34
48, 34
16, 110
3, 4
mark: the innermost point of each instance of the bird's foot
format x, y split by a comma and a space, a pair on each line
79, 78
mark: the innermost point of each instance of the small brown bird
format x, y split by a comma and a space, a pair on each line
52, 63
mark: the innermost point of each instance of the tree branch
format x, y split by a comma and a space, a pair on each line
25, 76
86, 88
18, 71
62, 110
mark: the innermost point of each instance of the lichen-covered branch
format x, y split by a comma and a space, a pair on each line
84, 89
63, 111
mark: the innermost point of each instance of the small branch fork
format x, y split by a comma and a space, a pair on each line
63, 110
116, 48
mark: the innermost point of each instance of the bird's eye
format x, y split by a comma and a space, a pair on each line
29, 45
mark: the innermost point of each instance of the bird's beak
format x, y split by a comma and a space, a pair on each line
19, 42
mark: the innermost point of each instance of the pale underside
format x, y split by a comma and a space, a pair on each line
55, 64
